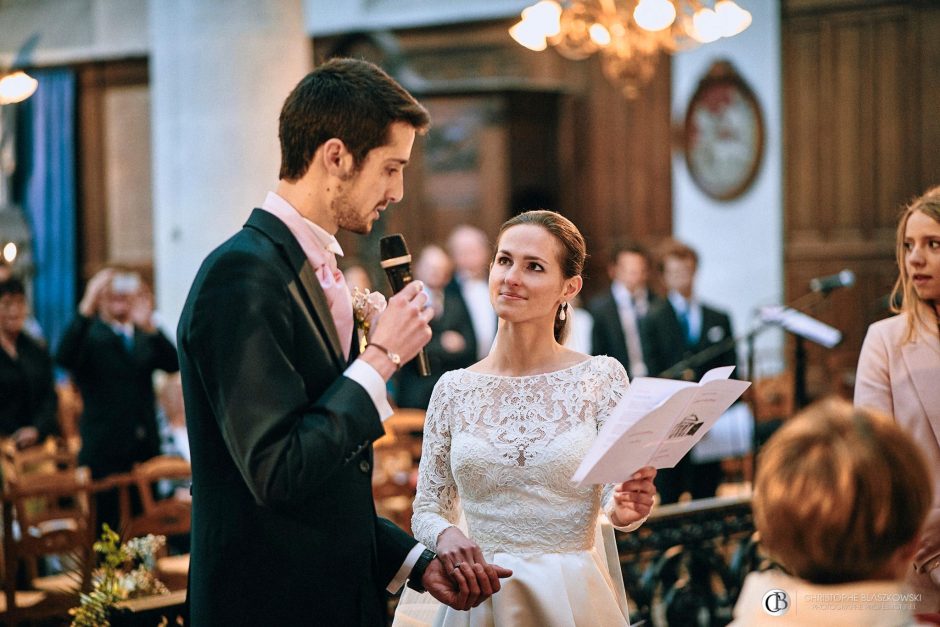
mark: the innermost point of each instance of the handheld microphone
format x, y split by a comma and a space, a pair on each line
826, 284
396, 261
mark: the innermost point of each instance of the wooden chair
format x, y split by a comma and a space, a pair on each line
47, 512
49, 455
405, 425
70, 409
392, 483
396, 461
167, 517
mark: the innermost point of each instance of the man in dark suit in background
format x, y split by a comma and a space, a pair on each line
618, 312
472, 254
452, 344
281, 411
111, 350
684, 340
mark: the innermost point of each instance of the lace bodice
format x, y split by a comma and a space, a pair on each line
509, 446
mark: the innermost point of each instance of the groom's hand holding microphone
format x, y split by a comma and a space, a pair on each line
401, 331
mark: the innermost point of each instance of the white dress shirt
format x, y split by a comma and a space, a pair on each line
476, 293
631, 308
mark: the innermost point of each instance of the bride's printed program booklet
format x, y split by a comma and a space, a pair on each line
656, 423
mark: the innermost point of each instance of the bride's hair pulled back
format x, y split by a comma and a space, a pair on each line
572, 256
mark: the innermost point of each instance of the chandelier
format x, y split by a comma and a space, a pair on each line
628, 34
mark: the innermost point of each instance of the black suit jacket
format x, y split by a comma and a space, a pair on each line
415, 390
27, 389
607, 336
284, 526
118, 423
665, 339
454, 293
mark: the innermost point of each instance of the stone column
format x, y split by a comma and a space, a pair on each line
219, 73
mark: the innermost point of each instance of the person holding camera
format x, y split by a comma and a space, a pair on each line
111, 350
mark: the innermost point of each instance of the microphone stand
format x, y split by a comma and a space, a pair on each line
805, 303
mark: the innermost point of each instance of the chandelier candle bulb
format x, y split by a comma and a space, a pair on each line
707, 26
654, 15
16, 87
546, 15
732, 17
600, 35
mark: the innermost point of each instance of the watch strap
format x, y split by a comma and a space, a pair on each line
417, 571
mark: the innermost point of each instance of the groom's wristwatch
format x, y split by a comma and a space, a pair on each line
395, 358
417, 571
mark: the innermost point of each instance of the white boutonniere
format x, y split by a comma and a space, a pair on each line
366, 306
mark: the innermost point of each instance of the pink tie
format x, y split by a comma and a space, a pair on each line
324, 264
337, 295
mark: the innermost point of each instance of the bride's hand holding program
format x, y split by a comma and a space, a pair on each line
633, 499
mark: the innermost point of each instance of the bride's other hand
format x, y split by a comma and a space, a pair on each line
464, 562
455, 549
633, 499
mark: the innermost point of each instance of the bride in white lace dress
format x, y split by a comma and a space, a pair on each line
503, 438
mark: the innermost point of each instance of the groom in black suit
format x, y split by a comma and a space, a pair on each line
281, 410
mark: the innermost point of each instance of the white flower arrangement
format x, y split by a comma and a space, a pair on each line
366, 306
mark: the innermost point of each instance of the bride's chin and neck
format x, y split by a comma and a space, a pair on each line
525, 345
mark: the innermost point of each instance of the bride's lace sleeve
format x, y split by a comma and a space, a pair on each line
435, 506
613, 372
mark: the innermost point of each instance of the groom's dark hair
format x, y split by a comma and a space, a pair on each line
349, 99
574, 250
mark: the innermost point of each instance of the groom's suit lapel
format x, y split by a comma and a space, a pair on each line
309, 291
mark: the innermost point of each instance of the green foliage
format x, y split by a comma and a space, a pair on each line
125, 571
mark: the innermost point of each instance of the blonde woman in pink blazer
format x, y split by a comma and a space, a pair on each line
899, 368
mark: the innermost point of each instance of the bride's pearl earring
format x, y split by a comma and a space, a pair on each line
563, 313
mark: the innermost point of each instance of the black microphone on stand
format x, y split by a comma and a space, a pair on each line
396, 261
826, 284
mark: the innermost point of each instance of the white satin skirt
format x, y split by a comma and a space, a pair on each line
548, 590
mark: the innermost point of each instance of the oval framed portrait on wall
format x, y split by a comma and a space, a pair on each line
724, 134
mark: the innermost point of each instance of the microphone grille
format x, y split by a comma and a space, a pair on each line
392, 246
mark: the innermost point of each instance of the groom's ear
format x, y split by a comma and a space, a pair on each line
336, 158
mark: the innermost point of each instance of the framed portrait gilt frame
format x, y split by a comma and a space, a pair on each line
724, 133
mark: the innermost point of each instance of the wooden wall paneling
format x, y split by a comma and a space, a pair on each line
801, 150
825, 132
847, 124
892, 94
927, 121
623, 189
92, 210
534, 151
95, 80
